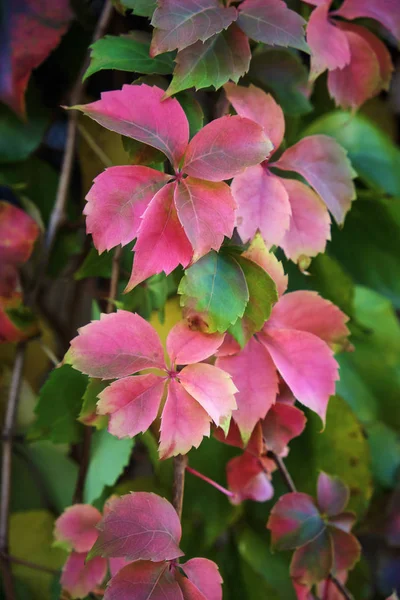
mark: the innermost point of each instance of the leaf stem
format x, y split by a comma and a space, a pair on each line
210, 481
180, 466
31, 565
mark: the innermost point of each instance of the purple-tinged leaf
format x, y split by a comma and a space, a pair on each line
313, 562
144, 580
346, 549
202, 576
333, 495
386, 12
81, 576
282, 423
294, 521
246, 478
76, 529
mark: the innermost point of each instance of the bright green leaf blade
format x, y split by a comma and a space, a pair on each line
88, 414
214, 292
127, 53
60, 401
372, 153
262, 296
108, 458
223, 57
193, 111
142, 8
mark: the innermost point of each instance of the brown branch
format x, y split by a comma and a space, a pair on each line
291, 486
7, 447
180, 463
31, 565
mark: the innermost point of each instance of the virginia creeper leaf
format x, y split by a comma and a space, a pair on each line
225, 147
273, 23
186, 346
214, 293
324, 164
80, 576
223, 57
386, 12
333, 495
181, 23
247, 479
258, 253
204, 575
117, 345
76, 529
312, 563
255, 376
144, 580
18, 233
346, 549
126, 53
282, 423
138, 112
206, 211
118, 198
161, 243
294, 521
139, 526
88, 414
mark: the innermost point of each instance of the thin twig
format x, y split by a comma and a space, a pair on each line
291, 486
93, 145
180, 463
7, 447
31, 565
216, 485
83, 466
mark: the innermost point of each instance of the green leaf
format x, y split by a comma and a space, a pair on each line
60, 401
142, 8
272, 569
193, 111
223, 57
372, 153
31, 538
148, 296
262, 296
282, 73
127, 53
22, 317
214, 292
95, 265
341, 450
18, 139
108, 458
88, 415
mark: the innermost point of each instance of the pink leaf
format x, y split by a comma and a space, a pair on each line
230, 346
254, 374
334, 55
294, 521
183, 424
144, 580
132, 403
273, 23
263, 205
307, 311
186, 346
324, 164
386, 12
81, 576
225, 147
307, 365
116, 564
181, 23
282, 423
344, 521
258, 253
309, 226
76, 529
312, 563
204, 575
138, 111
333, 494
116, 201
207, 213
255, 104
139, 526
161, 242
351, 86
255, 444
346, 549
213, 389
18, 233
247, 479
327, 589
117, 345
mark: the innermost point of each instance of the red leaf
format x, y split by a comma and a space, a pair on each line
116, 201
294, 521
273, 23
206, 211
117, 345
32, 30
255, 376
81, 576
386, 12
161, 241
139, 526
324, 164
203, 575
144, 580
225, 147
138, 111
76, 529
346, 549
313, 562
132, 403
18, 233
181, 23
282, 423
333, 495
246, 478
